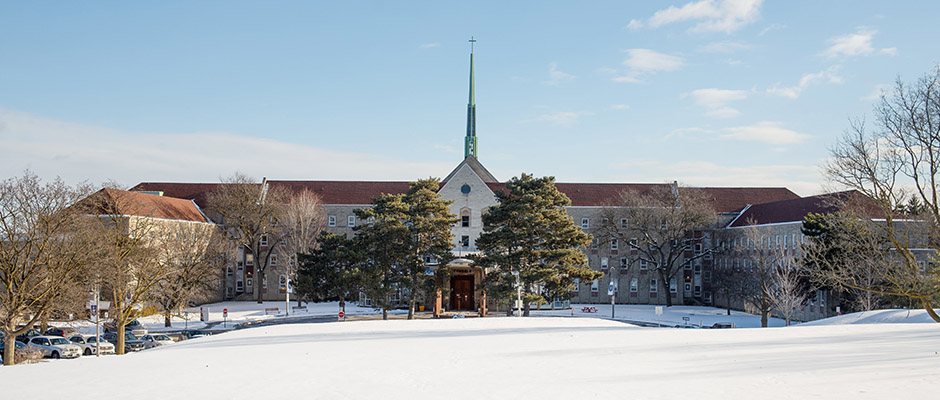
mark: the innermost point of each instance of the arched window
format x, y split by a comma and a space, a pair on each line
465, 217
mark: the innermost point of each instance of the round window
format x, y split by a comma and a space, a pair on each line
465, 189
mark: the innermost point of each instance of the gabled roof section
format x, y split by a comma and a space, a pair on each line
330, 192
477, 168
139, 204
796, 209
723, 200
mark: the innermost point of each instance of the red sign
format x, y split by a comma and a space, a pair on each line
342, 314
224, 313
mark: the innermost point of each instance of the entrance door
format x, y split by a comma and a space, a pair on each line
461, 293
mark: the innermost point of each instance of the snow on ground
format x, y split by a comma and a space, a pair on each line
878, 317
498, 358
671, 316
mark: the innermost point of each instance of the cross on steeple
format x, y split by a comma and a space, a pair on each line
472, 41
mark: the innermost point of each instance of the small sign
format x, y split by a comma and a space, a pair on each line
685, 319
659, 310
342, 314
224, 313
94, 309
610, 289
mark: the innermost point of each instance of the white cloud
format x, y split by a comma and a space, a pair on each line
772, 27
876, 92
829, 75
430, 45
855, 44
555, 76
80, 152
645, 61
724, 47
560, 117
765, 132
715, 101
715, 15
634, 24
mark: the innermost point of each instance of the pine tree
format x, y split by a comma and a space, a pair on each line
529, 232
331, 271
429, 223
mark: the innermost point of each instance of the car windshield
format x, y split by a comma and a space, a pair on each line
77, 339
197, 333
162, 337
59, 341
130, 336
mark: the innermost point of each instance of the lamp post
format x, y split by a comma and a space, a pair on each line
518, 292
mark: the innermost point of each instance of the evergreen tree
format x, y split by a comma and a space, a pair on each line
331, 271
384, 241
429, 222
530, 233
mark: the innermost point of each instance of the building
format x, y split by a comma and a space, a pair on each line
471, 188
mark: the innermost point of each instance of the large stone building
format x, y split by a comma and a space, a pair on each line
471, 188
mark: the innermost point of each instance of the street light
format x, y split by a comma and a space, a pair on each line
518, 292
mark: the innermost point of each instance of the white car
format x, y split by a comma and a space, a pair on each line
90, 344
156, 339
55, 347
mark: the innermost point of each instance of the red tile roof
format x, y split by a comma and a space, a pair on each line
794, 210
724, 200
146, 205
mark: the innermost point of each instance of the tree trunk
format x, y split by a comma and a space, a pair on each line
509, 309
259, 285
929, 308
412, 301
665, 284
385, 314
166, 319
119, 346
342, 304
525, 309
9, 348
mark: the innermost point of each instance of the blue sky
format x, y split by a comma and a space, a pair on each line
717, 93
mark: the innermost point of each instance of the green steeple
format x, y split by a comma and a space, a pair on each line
470, 142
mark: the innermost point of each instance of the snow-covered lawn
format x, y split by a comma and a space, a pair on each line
503, 358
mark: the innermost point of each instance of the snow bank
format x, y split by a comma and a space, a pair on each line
499, 358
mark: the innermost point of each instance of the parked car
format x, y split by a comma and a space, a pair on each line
154, 340
90, 344
193, 334
55, 347
21, 353
131, 342
134, 327
64, 332
722, 325
28, 335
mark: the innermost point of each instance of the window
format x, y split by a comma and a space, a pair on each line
585, 223
248, 282
624, 263
784, 242
604, 263
239, 286
687, 265
707, 276
228, 271
249, 259
624, 223
331, 220
697, 292
274, 260
430, 260
577, 285
351, 221
653, 286
634, 243
634, 285
708, 297
644, 264
465, 241
264, 282
282, 282
264, 240
698, 248
672, 286
594, 286
465, 221
614, 244
594, 244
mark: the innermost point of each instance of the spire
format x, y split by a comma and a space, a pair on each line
470, 142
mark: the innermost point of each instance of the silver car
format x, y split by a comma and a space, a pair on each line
55, 347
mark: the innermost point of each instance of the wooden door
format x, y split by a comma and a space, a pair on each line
461, 293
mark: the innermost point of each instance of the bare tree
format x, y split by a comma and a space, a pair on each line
789, 292
252, 212
42, 252
303, 222
660, 227
898, 159
128, 254
194, 255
